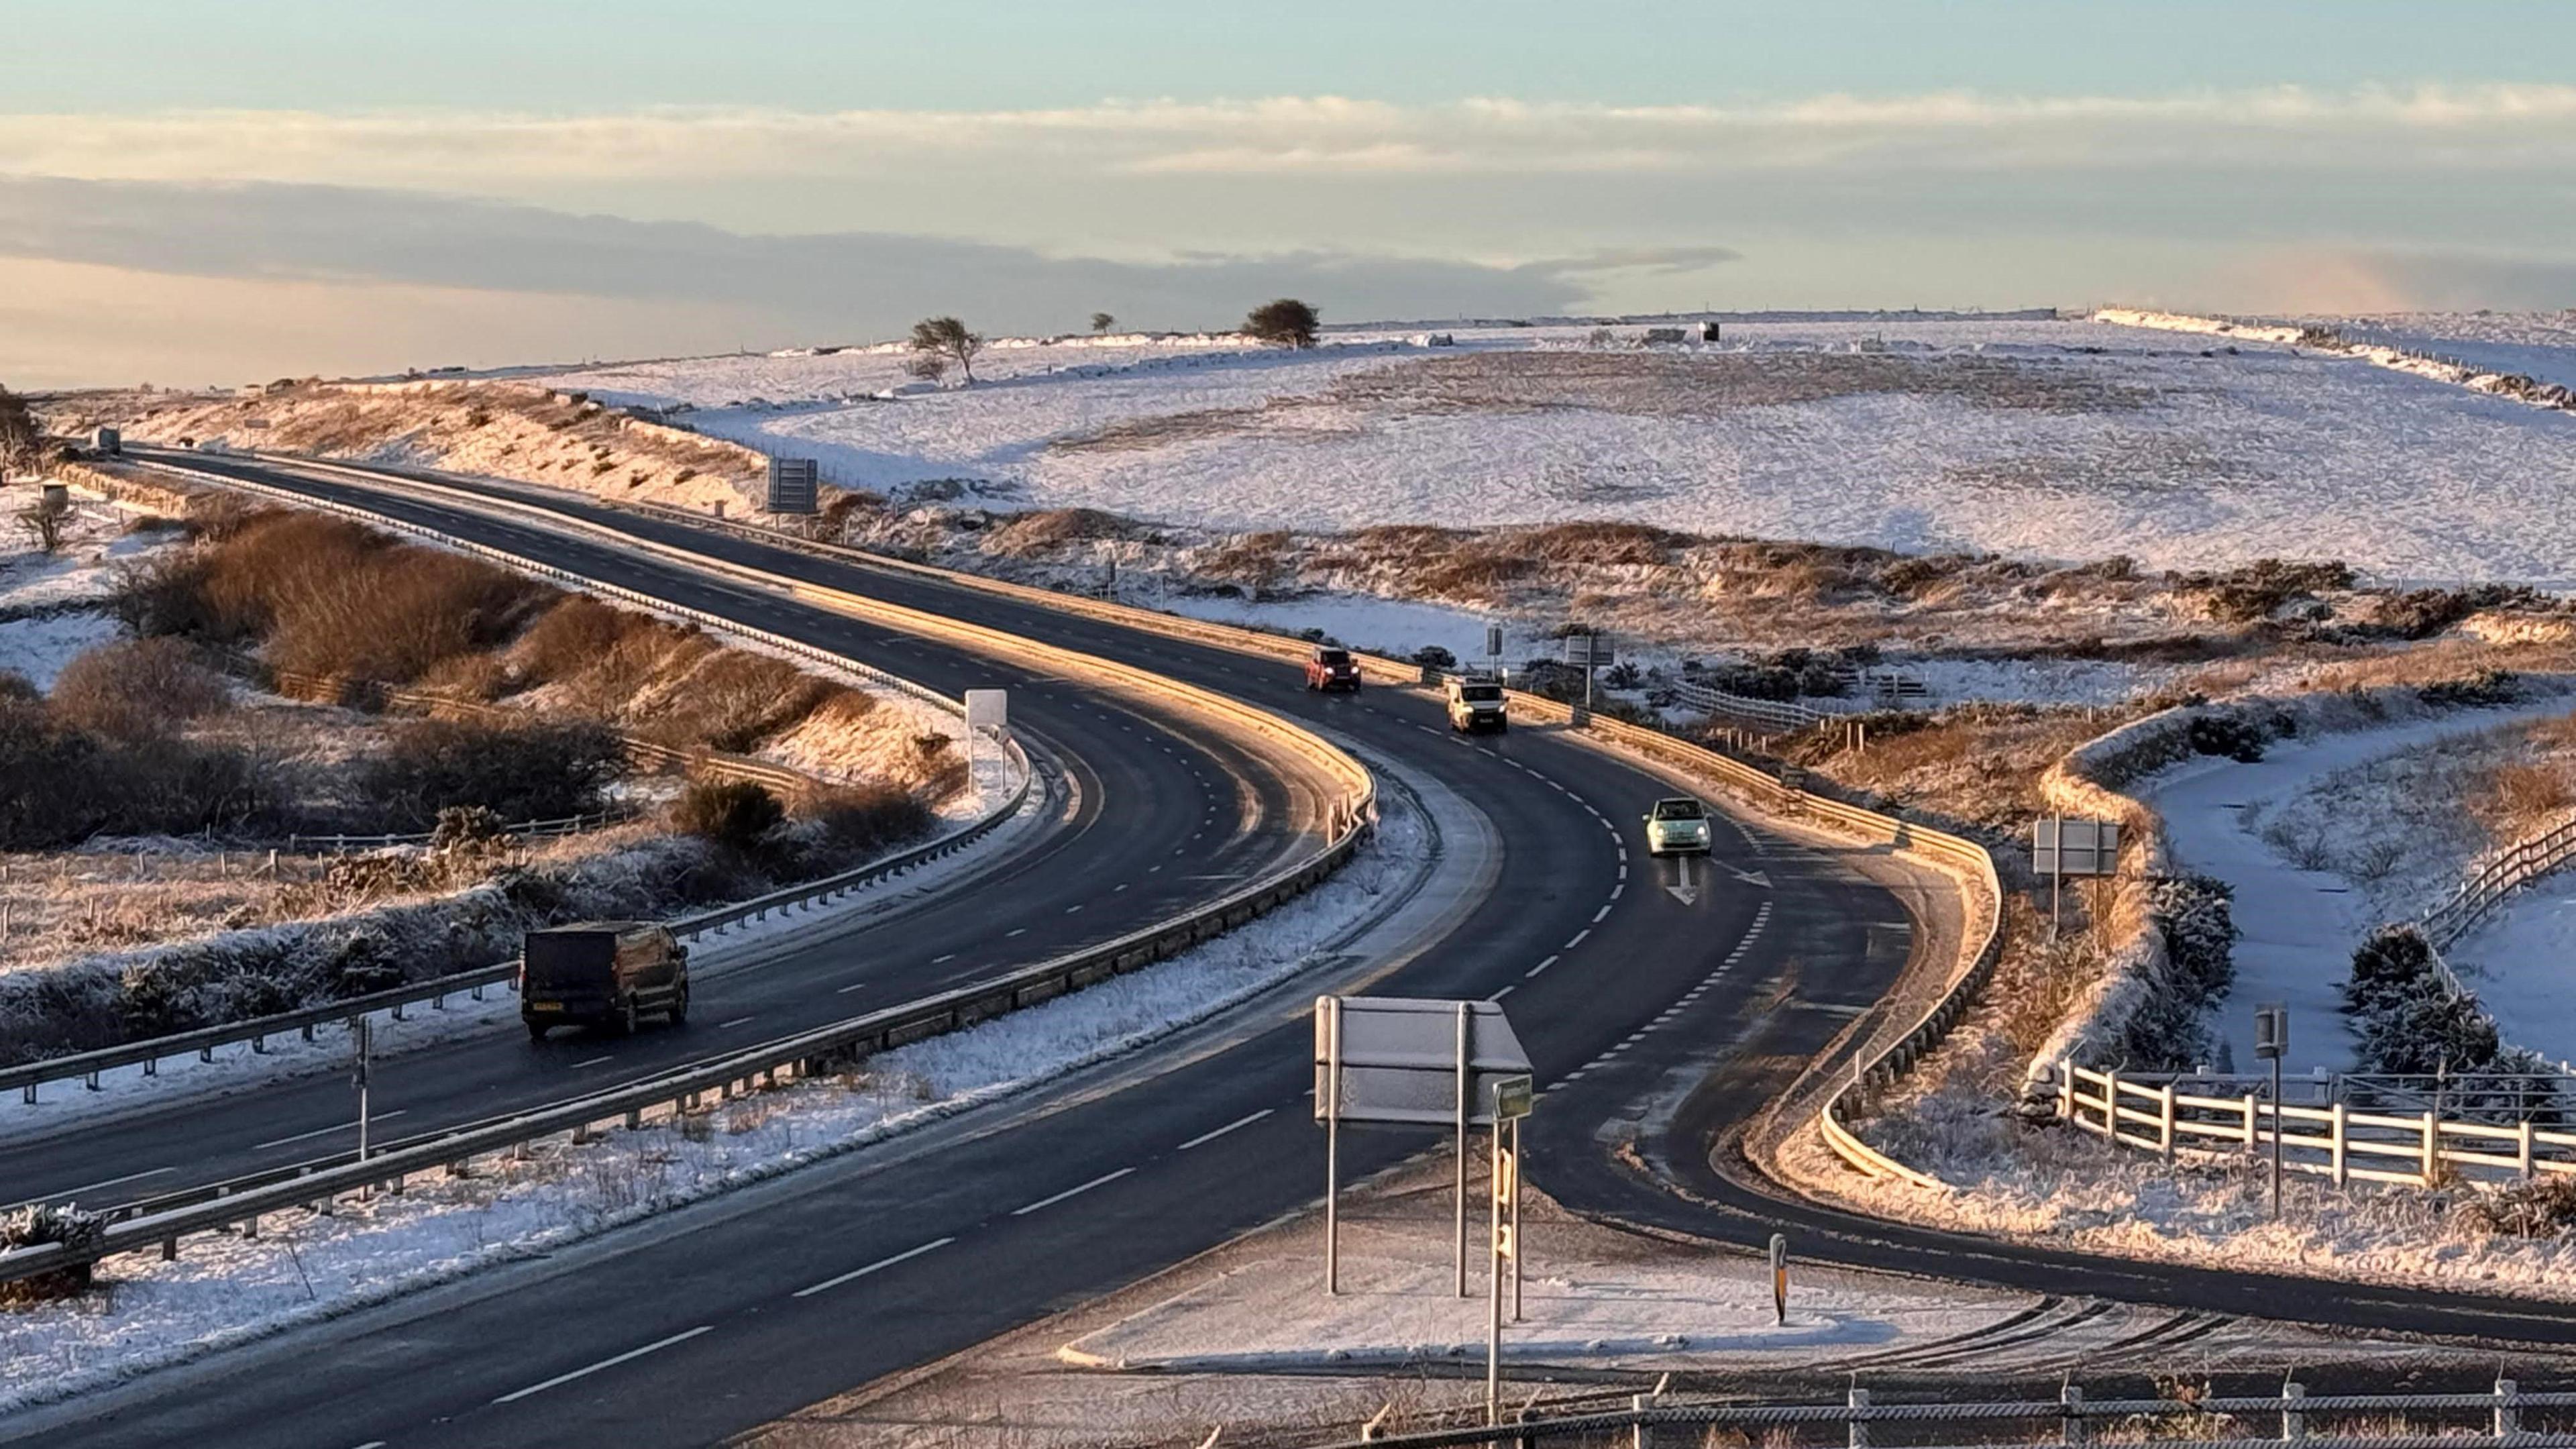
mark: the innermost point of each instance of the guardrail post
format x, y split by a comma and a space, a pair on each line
2294, 1419
2508, 1413
1641, 1435
2070, 1424
259, 1044
2340, 1176
93, 1081
1859, 1426
170, 1250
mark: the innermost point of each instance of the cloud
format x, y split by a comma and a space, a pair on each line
870, 282
2483, 127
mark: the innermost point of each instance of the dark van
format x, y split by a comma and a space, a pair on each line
602, 973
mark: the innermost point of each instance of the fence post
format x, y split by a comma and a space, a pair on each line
2111, 1104
1641, 1435
2294, 1420
2253, 1143
2340, 1112
2432, 1147
2066, 1090
2071, 1420
2523, 1134
1859, 1438
2165, 1120
2508, 1416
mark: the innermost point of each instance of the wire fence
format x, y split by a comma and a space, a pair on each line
2503, 1415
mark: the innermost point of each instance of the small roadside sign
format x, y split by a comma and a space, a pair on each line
2062, 846
2271, 1031
1513, 1096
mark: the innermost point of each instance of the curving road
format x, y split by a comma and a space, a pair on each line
1164, 815
742, 1311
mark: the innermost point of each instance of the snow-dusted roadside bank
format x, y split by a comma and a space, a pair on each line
238, 1068
305, 1268
2298, 925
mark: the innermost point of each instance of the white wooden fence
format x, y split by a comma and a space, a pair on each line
2332, 1141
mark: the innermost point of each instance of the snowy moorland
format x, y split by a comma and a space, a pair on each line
2056, 439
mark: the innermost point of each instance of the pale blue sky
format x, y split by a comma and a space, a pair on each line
818, 54
266, 186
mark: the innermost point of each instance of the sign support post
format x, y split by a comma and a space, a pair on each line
1512, 1100
1501, 1166
2271, 1043
365, 1044
1466, 1088
1329, 1009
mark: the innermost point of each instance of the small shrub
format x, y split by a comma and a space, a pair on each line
2542, 1209
2485, 690
43, 1224
467, 827
2225, 734
1432, 656
734, 813
137, 689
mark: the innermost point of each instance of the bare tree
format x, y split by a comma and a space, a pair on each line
20, 441
1284, 323
1102, 322
947, 339
46, 516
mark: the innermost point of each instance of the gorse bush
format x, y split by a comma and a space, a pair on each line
735, 813
868, 818
532, 771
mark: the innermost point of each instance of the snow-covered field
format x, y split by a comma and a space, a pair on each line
2063, 440
225, 1290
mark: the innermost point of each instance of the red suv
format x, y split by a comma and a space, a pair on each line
1332, 668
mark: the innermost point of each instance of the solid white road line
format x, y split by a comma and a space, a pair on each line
95, 1186
627, 1357
856, 1273
349, 1126
1109, 1177
1221, 1131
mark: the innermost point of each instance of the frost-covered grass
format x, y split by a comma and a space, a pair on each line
226, 1290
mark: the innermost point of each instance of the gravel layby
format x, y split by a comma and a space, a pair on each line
226, 1291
